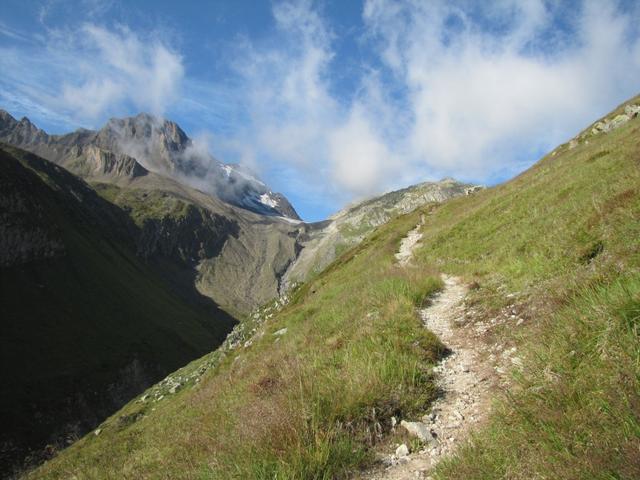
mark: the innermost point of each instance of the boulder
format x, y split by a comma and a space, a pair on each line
402, 451
418, 429
632, 110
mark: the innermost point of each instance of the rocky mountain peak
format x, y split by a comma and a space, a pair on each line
133, 146
19, 132
6, 119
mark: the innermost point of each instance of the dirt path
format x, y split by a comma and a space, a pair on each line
466, 377
408, 245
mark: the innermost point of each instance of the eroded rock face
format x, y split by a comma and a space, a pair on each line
99, 162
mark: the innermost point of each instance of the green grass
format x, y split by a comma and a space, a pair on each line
563, 237
305, 406
144, 204
566, 236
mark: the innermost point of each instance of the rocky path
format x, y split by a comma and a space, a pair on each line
408, 245
466, 377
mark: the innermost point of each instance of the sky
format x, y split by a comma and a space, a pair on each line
330, 101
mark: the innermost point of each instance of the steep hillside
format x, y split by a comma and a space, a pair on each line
308, 390
86, 324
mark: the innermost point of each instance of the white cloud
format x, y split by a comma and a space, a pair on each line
358, 157
118, 66
82, 75
482, 90
464, 89
480, 99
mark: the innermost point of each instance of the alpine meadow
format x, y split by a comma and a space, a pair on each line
419, 258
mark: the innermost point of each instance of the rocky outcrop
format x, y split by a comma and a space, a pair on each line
99, 164
615, 120
606, 125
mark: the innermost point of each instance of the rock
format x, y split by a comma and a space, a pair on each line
600, 127
394, 422
402, 451
632, 110
429, 418
280, 332
417, 429
619, 120
97, 431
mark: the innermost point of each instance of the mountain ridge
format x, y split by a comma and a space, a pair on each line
158, 145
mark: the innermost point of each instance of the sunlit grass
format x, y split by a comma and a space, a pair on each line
563, 236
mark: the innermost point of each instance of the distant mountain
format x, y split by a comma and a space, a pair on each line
156, 145
326, 240
152, 170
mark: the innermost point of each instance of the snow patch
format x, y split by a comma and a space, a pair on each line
269, 201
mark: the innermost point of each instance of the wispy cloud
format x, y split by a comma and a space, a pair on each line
475, 91
481, 96
90, 71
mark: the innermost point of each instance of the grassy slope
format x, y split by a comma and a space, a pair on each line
564, 235
75, 322
296, 408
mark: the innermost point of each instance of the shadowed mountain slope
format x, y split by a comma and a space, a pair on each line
86, 323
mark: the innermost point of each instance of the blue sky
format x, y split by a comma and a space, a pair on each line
330, 101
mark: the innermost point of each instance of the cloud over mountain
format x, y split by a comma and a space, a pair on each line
415, 90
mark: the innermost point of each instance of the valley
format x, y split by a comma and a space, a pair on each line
117, 271
541, 280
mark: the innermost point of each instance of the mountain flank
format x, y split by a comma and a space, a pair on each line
319, 387
86, 323
110, 222
326, 240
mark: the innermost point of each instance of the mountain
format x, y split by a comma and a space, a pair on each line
325, 240
86, 322
108, 223
232, 238
312, 386
157, 145
150, 168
